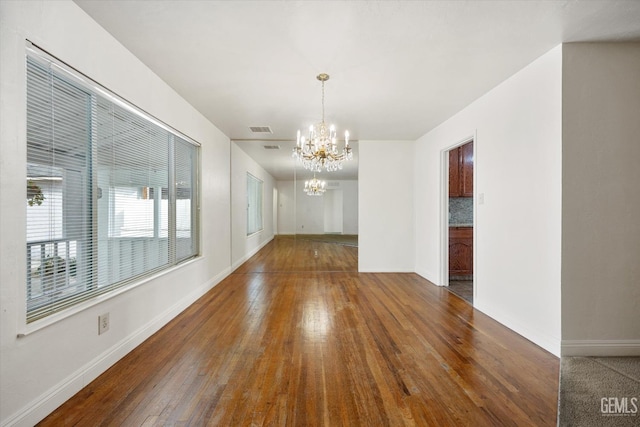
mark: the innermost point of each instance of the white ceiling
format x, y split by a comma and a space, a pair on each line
398, 68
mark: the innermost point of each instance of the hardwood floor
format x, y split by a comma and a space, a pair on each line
343, 239
286, 254
291, 340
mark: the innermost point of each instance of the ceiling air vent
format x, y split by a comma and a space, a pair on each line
271, 147
260, 129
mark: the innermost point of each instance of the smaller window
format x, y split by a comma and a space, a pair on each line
254, 204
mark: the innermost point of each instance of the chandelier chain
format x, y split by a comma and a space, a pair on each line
323, 101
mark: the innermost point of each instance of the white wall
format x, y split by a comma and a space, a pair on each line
385, 177
286, 207
309, 211
47, 366
332, 201
349, 205
299, 213
517, 127
601, 199
243, 246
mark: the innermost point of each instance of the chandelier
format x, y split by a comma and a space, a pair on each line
320, 149
314, 187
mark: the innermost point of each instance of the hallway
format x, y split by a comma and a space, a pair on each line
296, 336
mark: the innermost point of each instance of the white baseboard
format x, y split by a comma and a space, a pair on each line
601, 348
244, 259
42, 406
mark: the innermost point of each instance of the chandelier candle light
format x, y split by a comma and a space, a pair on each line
320, 149
314, 187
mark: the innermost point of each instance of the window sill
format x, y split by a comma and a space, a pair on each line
253, 234
30, 328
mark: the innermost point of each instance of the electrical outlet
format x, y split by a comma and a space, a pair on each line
103, 323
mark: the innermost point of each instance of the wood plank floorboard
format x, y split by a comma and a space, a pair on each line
296, 337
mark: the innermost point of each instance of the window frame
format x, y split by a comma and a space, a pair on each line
89, 293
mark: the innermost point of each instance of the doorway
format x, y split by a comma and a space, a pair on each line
333, 222
460, 223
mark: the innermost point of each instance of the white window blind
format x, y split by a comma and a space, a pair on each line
111, 192
186, 220
254, 204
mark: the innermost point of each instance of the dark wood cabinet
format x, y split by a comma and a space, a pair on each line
466, 169
454, 172
460, 251
461, 171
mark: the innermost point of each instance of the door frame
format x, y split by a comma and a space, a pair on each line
444, 209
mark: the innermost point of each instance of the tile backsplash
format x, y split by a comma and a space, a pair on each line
461, 210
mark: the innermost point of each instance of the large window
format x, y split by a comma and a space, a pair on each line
111, 192
254, 204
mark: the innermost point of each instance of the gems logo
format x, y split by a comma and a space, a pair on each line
619, 406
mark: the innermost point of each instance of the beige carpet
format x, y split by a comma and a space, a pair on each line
599, 391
